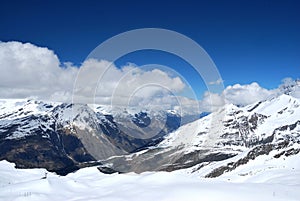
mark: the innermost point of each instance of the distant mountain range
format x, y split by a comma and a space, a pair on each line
65, 137
61, 137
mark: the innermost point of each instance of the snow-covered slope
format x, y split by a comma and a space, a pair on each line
17, 111
18, 108
220, 135
244, 125
277, 184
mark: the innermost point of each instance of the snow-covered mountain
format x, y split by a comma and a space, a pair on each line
221, 135
60, 136
235, 153
64, 137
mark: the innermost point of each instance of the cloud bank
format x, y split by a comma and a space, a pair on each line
28, 71
31, 71
242, 95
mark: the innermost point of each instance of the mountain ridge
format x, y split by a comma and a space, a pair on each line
240, 129
71, 134
78, 135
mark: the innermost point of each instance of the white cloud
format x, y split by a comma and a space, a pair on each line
31, 71
211, 102
103, 82
246, 94
291, 87
236, 94
217, 82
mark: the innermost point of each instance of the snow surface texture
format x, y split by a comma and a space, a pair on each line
265, 178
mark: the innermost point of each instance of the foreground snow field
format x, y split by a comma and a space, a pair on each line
262, 179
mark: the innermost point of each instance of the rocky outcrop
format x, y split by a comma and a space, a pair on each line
264, 149
59, 152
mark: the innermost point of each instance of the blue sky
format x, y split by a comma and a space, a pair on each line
248, 40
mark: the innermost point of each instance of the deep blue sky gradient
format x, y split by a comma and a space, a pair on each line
248, 40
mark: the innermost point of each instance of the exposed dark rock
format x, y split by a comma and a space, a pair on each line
107, 170
289, 152
59, 152
255, 106
194, 158
141, 119
264, 149
288, 127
